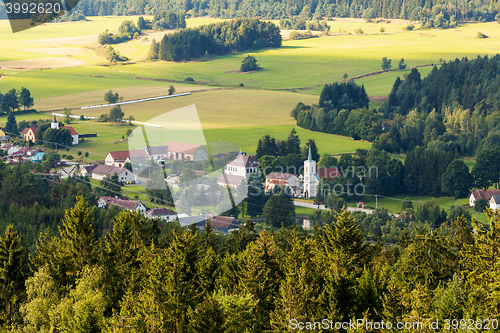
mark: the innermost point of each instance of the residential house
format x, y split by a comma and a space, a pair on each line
157, 152
37, 157
495, 202
124, 175
223, 224
289, 180
10, 148
232, 181
29, 134
161, 213
86, 171
486, 194
133, 206
242, 166
119, 158
185, 151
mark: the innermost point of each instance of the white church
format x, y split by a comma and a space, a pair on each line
74, 134
311, 178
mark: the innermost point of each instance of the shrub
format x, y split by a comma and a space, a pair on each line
189, 79
410, 27
481, 35
359, 31
249, 64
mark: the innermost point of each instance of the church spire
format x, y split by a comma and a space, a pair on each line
310, 156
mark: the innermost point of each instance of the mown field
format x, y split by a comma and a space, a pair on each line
256, 104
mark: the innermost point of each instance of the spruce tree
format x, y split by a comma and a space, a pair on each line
78, 236
11, 275
11, 125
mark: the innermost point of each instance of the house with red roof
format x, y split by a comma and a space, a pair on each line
29, 133
243, 166
485, 194
185, 151
124, 175
283, 179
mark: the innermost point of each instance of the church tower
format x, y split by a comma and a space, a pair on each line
311, 178
54, 124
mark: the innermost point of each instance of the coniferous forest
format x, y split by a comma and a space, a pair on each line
453, 109
216, 38
137, 276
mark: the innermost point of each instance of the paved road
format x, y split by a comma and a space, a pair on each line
311, 205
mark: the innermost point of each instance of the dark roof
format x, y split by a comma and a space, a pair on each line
495, 199
25, 131
107, 169
155, 150
160, 212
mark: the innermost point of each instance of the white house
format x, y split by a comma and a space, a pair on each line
283, 179
157, 152
133, 206
495, 202
311, 178
161, 213
242, 166
232, 181
486, 194
185, 151
124, 175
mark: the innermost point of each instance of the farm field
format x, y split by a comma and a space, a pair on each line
305, 63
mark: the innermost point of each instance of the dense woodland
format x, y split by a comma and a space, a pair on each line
216, 38
433, 12
455, 108
135, 278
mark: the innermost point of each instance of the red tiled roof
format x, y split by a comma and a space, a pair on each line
25, 131
71, 129
279, 175
331, 173
120, 156
180, 147
223, 222
487, 194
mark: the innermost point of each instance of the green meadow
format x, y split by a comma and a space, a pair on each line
232, 106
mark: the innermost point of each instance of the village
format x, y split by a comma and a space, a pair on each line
125, 165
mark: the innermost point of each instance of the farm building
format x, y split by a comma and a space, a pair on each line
485, 194
185, 151
289, 180
161, 213
124, 175
133, 206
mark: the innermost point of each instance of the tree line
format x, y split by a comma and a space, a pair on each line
431, 13
15, 99
216, 38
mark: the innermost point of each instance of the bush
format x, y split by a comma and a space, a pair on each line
82, 117
189, 79
410, 27
69, 157
249, 64
359, 31
481, 35
480, 204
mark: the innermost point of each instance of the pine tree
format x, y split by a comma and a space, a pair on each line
256, 196
11, 125
260, 276
11, 275
78, 236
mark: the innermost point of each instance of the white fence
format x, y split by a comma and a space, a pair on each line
134, 101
